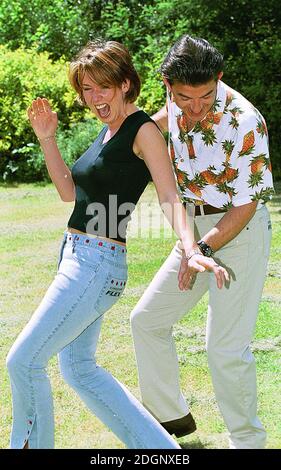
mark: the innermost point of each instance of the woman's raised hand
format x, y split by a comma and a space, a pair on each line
43, 120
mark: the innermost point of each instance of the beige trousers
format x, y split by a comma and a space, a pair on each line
232, 314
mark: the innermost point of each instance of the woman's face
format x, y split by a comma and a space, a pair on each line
107, 103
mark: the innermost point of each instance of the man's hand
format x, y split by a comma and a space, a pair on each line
198, 264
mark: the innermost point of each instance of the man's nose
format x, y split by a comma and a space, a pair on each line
196, 106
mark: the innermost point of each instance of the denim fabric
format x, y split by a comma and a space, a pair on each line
91, 276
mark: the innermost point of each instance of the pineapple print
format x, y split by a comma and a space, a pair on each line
172, 151
248, 144
182, 123
229, 98
264, 195
209, 176
181, 178
226, 189
257, 163
231, 173
217, 118
211, 119
184, 136
261, 127
227, 175
190, 147
234, 122
228, 146
196, 185
209, 137
236, 111
206, 124
216, 105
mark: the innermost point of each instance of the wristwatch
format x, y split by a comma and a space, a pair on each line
206, 249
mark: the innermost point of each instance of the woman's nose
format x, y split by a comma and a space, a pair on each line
96, 96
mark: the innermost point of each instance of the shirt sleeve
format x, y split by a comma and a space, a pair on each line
251, 159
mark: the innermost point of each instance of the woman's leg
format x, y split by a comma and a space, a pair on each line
107, 398
69, 306
87, 284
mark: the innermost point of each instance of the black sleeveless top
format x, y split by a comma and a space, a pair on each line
109, 180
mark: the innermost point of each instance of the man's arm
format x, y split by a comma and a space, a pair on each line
161, 119
230, 225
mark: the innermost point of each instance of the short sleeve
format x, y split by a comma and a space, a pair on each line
251, 159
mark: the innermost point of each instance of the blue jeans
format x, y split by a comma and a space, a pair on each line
91, 276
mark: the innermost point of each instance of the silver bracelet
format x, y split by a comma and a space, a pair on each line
46, 139
192, 253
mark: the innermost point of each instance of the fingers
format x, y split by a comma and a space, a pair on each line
46, 104
186, 276
222, 275
38, 107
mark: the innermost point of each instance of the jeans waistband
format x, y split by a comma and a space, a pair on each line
100, 243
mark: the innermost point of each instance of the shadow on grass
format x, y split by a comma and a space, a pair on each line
17, 184
194, 444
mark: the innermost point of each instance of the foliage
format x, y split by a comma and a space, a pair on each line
247, 33
72, 143
60, 27
24, 75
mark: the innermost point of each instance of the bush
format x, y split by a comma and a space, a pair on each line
24, 75
72, 144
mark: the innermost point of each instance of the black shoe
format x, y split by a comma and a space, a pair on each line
180, 427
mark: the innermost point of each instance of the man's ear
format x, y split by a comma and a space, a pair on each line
220, 75
167, 84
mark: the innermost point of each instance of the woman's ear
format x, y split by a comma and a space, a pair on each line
126, 85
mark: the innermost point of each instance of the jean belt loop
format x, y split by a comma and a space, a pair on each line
73, 243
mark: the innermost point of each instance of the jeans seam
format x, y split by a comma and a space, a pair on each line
32, 393
77, 378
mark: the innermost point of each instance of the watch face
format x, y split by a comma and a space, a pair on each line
206, 249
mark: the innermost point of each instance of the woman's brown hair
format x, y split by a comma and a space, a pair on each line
108, 63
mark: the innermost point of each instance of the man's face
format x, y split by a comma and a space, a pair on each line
194, 101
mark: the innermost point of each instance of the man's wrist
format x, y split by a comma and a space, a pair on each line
205, 249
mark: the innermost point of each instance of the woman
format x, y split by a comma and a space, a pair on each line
92, 269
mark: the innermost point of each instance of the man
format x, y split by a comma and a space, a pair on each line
219, 149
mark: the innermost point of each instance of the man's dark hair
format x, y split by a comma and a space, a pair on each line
192, 61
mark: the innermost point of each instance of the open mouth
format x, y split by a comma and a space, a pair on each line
103, 110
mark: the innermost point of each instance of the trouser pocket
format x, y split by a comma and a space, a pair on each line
112, 290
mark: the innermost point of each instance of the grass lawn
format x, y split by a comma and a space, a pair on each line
32, 220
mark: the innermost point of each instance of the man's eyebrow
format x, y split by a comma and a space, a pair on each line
190, 97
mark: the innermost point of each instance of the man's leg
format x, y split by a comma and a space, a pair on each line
230, 328
161, 305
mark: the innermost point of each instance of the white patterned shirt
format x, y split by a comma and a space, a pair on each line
224, 160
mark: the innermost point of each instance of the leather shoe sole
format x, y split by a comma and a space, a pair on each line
180, 427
